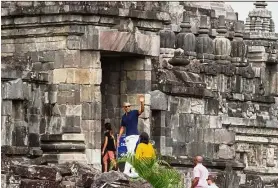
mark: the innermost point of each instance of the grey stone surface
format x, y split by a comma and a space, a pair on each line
210, 85
159, 100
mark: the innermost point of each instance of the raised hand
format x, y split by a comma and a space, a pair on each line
141, 98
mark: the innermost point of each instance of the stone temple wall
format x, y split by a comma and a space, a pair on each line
210, 84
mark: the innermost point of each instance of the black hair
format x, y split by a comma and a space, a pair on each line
108, 126
144, 138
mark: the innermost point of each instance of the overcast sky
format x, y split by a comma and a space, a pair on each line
243, 9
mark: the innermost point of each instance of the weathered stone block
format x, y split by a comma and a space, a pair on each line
73, 121
159, 100
91, 125
68, 94
146, 113
184, 105
87, 111
270, 157
159, 118
187, 120
60, 76
223, 136
201, 121
158, 131
34, 140
226, 152
62, 137
73, 42
87, 93
55, 125
95, 76
13, 90
211, 106
94, 157
34, 123
172, 120
215, 122
20, 136
144, 125
90, 59
209, 135
6, 108
71, 130
197, 106
138, 86
73, 110
6, 130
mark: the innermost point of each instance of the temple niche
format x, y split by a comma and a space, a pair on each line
210, 82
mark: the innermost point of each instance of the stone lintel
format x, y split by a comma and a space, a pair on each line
116, 41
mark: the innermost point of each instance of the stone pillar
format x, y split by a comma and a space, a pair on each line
76, 106
238, 46
271, 26
204, 44
136, 80
248, 25
159, 106
258, 24
90, 99
185, 39
266, 25
222, 45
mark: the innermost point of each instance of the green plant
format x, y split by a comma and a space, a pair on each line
157, 172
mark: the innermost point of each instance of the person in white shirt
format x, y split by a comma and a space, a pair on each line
211, 182
200, 174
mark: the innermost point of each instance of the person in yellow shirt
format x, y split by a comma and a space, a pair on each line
145, 148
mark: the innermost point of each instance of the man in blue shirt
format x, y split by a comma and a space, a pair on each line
130, 124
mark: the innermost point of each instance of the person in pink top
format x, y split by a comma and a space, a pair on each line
200, 174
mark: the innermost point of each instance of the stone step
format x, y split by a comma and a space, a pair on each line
65, 157
63, 146
62, 137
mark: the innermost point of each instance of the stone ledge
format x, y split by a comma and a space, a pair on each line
219, 164
65, 157
262, 171
254, 131
43, 31
62, 137
256, 139
63, 146
181, 90
93, 9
